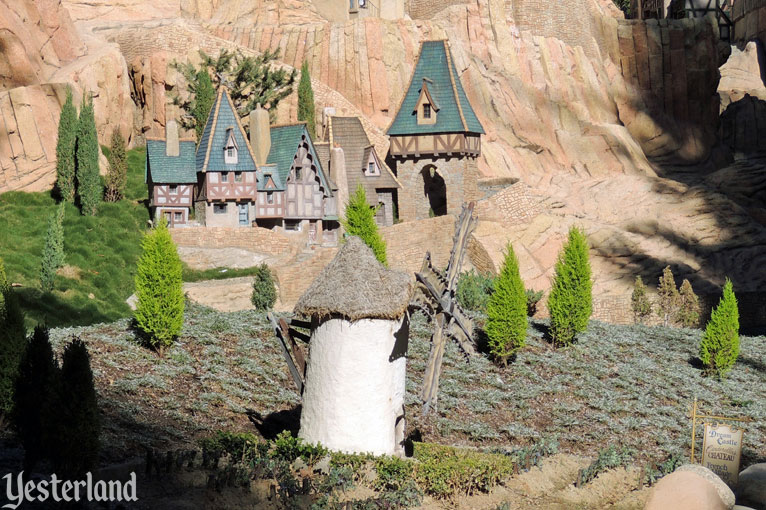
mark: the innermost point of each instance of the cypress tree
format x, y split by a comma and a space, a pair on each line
360, 221
639, 301
688, 314
117, 176
53, 253
160, 311
720, 342
35, 413
78, 427
570, 301
306, 108
204, 97
667, 307
507, 310
65, 149
88, 180
264, 291
12, 339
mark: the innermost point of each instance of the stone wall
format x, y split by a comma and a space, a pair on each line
295, 278
749, 18
426, 9
407, 243
256, 239
514, 205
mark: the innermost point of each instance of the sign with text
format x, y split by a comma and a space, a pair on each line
721, 451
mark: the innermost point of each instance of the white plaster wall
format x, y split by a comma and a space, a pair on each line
353, 393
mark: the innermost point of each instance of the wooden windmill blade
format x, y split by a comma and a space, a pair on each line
282, 332
463, 229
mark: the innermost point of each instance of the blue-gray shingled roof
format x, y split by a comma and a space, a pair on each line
284, 144
165, 169
436, 64
210, 152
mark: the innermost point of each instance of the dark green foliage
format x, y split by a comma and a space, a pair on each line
570, 302
160, 310
117, 176
720, 342
688, 314
288, 448
88, 180
507, 310
654, 472
360, 221
474, 289
608, 458
306, 108
53, 253
264, 290
12, 339
65, 149
624, 6
639, 301
250, 81
35, 412
533, 297
204, 97
667, 297
78, 424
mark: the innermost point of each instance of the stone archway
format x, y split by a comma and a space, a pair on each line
434, 190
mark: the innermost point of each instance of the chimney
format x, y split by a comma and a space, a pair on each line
327, 112
339, 177
171, 139
260, 134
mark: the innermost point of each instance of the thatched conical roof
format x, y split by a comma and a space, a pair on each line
356, 286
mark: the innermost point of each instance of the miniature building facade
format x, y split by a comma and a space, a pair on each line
435, 139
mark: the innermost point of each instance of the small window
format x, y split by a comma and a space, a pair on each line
297, 173
426, 111
224, 177
237, 176
269, 197
178, 217
173, 190
371, 168
230, 152
219, 208
293, 225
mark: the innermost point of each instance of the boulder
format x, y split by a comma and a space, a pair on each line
691, 487
751, 489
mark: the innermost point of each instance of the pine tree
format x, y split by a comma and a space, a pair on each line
88, 180
79, 425
688, 314
35, 413
117, 176
507, 310
720, 341
53, 252
639, 301
306, 108
159, 288
65, 149
570, 301
12, 339
264, 290
204, 97
360, 221
667, 294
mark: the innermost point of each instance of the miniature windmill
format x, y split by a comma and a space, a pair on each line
435, 294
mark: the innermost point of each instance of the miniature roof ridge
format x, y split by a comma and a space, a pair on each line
163, 139
355, 286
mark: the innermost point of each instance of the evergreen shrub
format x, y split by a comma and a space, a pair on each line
12, 339
474, 289
88, 179
533, 297
667, 296
688, 313
264, 289
306, 108
204, 97
720, 341
507, 310
53, 252
639, 301
117, 176
570, 302
65, 149
360, 221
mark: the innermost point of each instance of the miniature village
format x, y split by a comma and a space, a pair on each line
383, 254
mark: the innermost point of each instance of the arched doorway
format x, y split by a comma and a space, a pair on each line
435, 191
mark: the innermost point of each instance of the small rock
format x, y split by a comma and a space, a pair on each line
690, 487
740, 507
751, 488
726, 494
132, 301
91, 296
323, 466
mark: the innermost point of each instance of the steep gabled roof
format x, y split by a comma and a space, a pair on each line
266, 172
223, 116
285, 141
164, 169
455, 114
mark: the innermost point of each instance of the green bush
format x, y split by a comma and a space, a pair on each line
53, 252
533, 297
570, 302
720, 342
639, 302
35, 413
65, 149
78, 424
608, 458
507, 310
160, 310
688, 313
474, 289
12, 339
289, 448
667, 297
306, 108
393, 473
117, 176
360, 221
88, 180
204, 97
264, 290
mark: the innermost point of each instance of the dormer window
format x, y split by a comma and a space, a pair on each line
230, 149
425, 107
372, 169
426, 111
